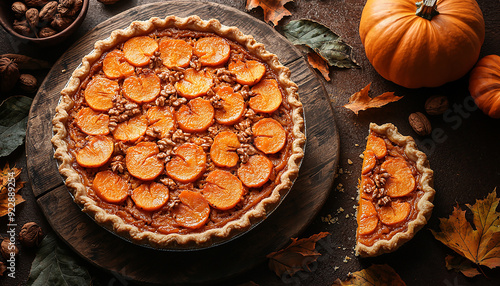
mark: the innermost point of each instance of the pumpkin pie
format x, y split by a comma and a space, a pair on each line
395, 191
178, 132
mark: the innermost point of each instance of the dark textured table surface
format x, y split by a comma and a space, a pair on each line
465, 156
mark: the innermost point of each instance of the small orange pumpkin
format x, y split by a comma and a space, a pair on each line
424, 44
484, 85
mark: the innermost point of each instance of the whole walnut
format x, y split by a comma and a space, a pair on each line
19, 9
46, 32
60, 23
69, 8
28, 83
48, 11
32, 16
31, 234
7, 248
22, 27
9, 74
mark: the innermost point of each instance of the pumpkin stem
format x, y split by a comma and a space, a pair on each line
427, 9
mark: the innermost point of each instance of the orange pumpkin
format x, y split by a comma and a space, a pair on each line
422, 45
484, 85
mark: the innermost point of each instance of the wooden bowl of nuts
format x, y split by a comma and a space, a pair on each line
44, 22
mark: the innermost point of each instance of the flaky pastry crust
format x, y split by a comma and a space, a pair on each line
177, 241
424, 205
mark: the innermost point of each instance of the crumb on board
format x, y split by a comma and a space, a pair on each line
362, 155
346, 259
339, 210
341, 171
357, 145
347, 216
329, 219
336, 268
349, 161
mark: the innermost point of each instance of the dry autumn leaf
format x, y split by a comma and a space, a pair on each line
480, 245
5, 175
375, 275
461, 264
320, 64
362, 101
297, 256
274, 10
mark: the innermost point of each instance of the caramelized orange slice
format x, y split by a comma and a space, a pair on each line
401, 182
116, 66
223, 150
131, 129
142, 88
175, 53
269, 136
96, 152
394, 213
193, 211
161, 118
212, 51
248, 72
223, 190
268, 98
377, 145
138, 50
99, 93
195, 116
233, 106
110, 187
367, 217
150, 196
256, 171
92, 122
188, 164
195, 83
142, 161
369, 161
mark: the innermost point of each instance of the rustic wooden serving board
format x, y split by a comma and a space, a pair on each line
151, 266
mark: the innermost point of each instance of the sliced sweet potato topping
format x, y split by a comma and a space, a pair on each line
131, 129
367, 217
369, 161
195, 83
394, 213
161, 118
233, 106
256, 171
193, 211
248, 72
150, 196
269, 135
110, 187
175, 53
92, 122
223, 150
188, 164
142, 88
268, 98
99, 93
116, 66
195, 116
223, 190
401, 182
377, 145
142, 161
96, 152
138, 50
212, 51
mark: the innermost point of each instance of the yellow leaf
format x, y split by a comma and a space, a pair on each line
274, 10
375, 275
480, 244
361, 101
461, 264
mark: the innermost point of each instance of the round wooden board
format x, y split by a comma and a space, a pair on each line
150, 266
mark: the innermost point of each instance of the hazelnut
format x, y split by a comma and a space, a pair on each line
31, 234
7, 248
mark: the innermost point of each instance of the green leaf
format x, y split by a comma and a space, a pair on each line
13, 120
322, 40
56, 265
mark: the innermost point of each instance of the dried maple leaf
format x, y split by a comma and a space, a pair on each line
362, 101
320, 64
461, 264
375, 275
12, 174
274, 10
297, 256
480, 245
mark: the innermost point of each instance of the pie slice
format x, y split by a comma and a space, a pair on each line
395, 191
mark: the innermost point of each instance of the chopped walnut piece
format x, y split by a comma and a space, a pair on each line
245, 151
169, 183
118, 164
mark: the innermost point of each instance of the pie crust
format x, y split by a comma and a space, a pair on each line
173, 240
423, 205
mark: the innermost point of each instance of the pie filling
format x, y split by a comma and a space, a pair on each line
180, 131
